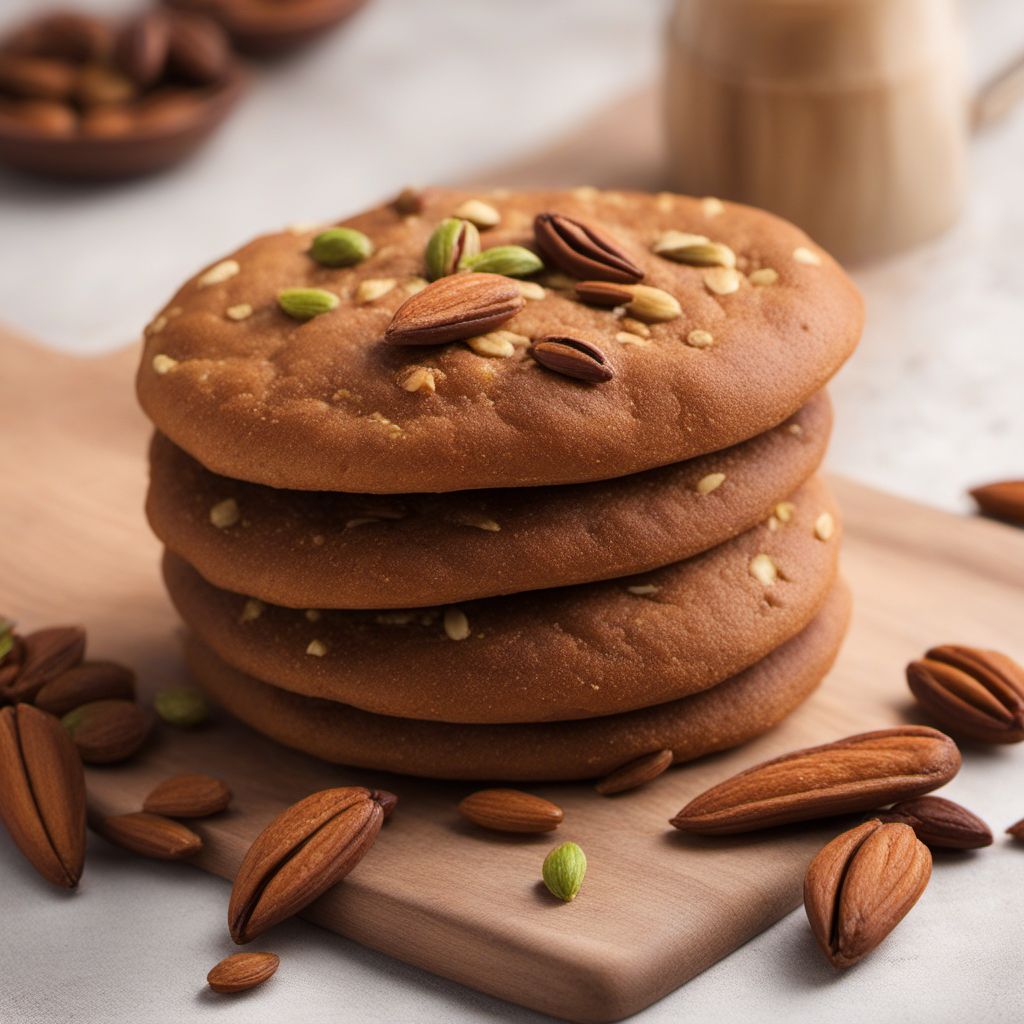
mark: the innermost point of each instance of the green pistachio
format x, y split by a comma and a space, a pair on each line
510, 260
306, 303
452, 242
6, 638
563, 871
340, 247
181, 706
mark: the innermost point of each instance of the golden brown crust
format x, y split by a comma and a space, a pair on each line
725, 716
305, 549
574, 652
317, 405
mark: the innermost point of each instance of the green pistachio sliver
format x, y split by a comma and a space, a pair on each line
563, 871
306, 303
181, 706
340, 247
6, 638
453, 241
509, 260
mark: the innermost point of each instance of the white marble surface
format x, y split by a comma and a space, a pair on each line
410, 91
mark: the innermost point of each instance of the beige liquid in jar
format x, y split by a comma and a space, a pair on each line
848, 117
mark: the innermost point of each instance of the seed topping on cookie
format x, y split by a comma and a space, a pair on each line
763, 569
456, 625
225, 513
478, 213
709, 483
693, 250
219, 273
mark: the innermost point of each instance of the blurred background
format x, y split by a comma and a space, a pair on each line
454, 90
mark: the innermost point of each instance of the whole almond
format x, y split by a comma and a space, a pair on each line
1003, 500
455, 307
42, 793
142, 45
603, 293
861, 885
188, 796
583, 250
572, 357
1017, 830
940, 823
40, 117
511, 810
167, 110
48, 653
36, 78
242, 971
12, 656
90, 681
306, 849
974, 692
106, 731
197, 48
636, 773
150, 835
859, 773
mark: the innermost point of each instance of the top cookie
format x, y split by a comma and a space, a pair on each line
327, 403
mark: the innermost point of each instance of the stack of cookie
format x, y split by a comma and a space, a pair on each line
505, 485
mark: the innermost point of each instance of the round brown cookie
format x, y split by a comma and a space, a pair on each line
725, 716
306, 549
324, 404
574, 652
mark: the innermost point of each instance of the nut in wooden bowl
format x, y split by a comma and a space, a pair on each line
94, 99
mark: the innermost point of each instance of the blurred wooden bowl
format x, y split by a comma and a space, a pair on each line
169, 131
271, 28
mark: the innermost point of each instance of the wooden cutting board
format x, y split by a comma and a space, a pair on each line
656, 908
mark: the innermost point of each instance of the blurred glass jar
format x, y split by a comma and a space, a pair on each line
848, 117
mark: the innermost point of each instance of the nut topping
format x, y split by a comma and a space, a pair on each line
455, 307
453, 242
572, 357
582, 250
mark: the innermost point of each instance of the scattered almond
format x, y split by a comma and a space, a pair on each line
242, 971
1002, 500
305, 850
861, 885
106, 731
636, 773
939, 822
47, 653
510, 810
188, 796
150, 835
859, 773
90, 681
971, 691
42, 795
